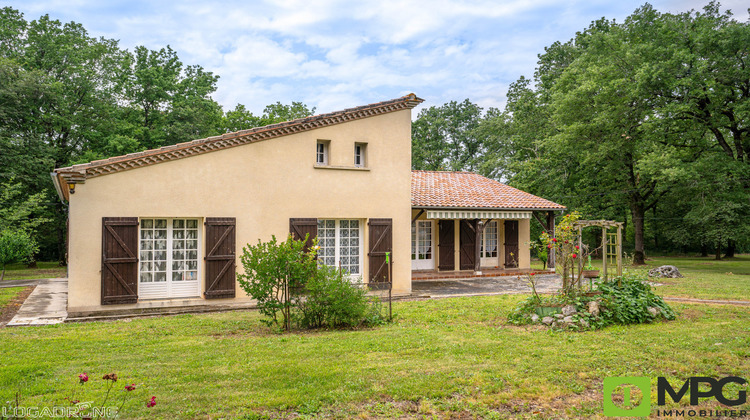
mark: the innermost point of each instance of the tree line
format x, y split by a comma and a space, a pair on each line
645, 121
67, 97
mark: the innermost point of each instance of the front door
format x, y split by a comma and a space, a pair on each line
168, 251
447, 245
511, 243
422, 256
468, 244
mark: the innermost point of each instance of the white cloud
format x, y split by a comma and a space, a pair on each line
334, 54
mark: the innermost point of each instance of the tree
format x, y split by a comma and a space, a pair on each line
15, 246
445, 137
241, 119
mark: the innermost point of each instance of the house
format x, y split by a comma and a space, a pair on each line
165, 227
465, 222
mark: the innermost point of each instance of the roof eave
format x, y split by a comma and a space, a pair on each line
417, 207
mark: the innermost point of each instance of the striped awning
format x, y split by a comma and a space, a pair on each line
477, 214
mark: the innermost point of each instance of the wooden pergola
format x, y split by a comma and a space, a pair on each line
611, 243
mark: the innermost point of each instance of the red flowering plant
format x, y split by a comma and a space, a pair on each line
88, 409
563, 243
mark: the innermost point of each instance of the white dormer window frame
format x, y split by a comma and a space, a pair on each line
360, 155
322, 149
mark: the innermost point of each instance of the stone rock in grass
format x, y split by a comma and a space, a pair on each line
534, 318
559, 316
583, 323
668, 271
568, 310
568, 319
548, 320
593, 308
654, 311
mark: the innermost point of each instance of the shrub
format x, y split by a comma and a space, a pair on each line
15, 246
623, 300
275, 274
290, 285
331, 300
627, 299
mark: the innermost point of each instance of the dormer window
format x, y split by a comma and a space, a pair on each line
360, 155
321, 152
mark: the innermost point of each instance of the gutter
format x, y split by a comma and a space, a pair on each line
58, 188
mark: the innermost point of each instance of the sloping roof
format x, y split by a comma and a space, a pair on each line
81, 172
438, 189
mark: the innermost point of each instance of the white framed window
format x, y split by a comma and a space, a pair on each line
321, 152
421, 240
340, 242
488, 244
360, 155
168, 251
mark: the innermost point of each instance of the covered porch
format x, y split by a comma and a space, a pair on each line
465, 225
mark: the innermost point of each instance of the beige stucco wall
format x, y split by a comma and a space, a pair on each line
524, 251
263, 185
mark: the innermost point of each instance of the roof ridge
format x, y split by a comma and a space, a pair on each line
218, 142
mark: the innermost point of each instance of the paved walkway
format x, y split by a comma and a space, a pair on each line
46, 305
547, 283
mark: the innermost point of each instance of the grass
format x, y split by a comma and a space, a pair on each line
447, 357
7, 294
705, 277
44, 270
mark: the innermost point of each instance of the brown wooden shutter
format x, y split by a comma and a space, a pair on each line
220, 257
301, 227
446, 245
381, 241
467, 244
511, 243
119, 260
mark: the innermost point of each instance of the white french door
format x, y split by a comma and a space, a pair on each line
168, 250
422, 239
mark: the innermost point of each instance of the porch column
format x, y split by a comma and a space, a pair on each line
551, 232
477, 245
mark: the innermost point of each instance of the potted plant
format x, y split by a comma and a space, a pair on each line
589, 272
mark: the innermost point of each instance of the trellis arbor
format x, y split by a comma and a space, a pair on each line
611, 245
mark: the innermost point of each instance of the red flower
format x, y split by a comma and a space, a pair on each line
83, 377
532, 274
549, 246
577, 247
575, 255
130, 387
566, 242
554, 240
151, 402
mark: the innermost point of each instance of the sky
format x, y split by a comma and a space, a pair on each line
336, 54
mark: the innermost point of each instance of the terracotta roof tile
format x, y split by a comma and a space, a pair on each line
470, 190
77, 173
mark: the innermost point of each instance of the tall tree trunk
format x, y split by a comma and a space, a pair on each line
637, 211
704, 250
731, 248
718, 250
656, 231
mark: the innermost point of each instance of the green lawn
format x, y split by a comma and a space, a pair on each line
7, 294
44, 270
705, 278
447, 357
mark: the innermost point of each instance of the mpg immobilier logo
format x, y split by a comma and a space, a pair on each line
633, 405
